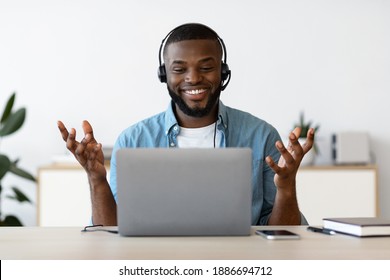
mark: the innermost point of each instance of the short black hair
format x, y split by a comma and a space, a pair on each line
191, 31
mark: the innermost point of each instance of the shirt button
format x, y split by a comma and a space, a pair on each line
172, 144
175, 128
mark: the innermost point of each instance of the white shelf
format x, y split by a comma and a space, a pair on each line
323, 191
337, 191
63, 195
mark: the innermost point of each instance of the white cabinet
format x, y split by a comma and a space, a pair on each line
323, 191
337, 191
63, 196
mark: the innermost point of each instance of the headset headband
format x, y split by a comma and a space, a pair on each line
180, 26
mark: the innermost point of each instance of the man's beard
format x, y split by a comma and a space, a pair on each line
195, 112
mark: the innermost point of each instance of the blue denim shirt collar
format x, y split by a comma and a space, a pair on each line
170, 119
172, 128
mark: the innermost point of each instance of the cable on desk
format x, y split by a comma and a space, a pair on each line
97, 228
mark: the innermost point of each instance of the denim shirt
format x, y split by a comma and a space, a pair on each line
238, 129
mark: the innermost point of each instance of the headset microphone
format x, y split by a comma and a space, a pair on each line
225, 71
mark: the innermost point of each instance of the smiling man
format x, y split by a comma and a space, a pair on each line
196, 71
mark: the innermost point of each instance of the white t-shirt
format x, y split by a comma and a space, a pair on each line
202, 137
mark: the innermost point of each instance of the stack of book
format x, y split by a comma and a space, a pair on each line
359, 226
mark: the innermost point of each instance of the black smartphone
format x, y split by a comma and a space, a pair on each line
277, 234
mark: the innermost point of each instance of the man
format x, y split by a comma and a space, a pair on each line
196, 72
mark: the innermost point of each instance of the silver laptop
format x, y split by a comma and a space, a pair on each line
184, 192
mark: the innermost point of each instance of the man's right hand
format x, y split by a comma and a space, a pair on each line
87, 152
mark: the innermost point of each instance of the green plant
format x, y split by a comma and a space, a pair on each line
10, 122
305, 126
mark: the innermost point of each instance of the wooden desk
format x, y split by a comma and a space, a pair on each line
72, 244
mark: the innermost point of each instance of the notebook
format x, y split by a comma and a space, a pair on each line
184, 192
359, 226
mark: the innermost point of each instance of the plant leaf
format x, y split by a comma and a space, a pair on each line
13, 122
302, 118
5, 165
8, 108
21, 172
12, 221
19, 196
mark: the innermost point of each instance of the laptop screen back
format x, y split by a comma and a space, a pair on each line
189, 192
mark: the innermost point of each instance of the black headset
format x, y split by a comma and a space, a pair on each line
225, 71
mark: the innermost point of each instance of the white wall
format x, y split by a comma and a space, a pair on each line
97, 60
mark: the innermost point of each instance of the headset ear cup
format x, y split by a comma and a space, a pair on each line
225, 71
162, 75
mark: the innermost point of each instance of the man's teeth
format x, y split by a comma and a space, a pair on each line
195, 91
